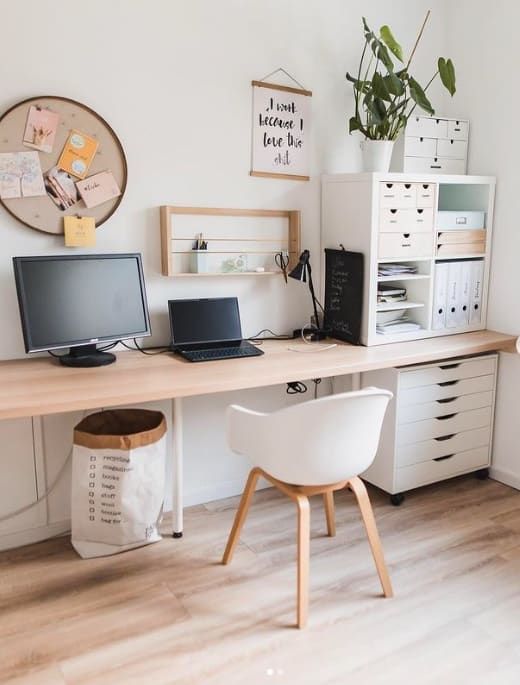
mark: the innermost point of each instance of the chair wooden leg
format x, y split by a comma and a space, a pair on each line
328, 501
302, 503
241, 514
360, 491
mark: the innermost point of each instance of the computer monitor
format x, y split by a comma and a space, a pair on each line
79, 301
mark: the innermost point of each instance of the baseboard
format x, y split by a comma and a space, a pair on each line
505, 476
201, 496
28, 537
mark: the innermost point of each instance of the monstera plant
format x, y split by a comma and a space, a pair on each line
386, 95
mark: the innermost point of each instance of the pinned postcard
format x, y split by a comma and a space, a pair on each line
61, 188
40, 129
20, 175
78, 154
99, 188
80, 231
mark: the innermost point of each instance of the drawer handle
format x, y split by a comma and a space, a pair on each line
393, 211
446, 383
447, 400
406, 235
449, 366
448, 456
445, 417
407, 186
445, 437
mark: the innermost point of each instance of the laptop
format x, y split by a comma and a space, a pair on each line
208, 329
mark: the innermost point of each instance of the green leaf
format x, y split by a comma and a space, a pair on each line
380, 88
361, 86
419, 96
384, 56
377, 112
447, 74
368, 32
391, 43
393, 83
353, 125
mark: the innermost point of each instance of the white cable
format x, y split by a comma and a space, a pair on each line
17, 512
43, 497
315, 348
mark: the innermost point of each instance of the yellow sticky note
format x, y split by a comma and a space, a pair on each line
79, 231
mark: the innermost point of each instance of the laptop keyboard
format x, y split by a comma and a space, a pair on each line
220, 353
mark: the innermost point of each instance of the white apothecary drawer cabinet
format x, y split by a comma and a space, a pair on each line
439, 423
396, 218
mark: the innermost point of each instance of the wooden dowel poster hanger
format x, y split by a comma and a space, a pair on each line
280, 130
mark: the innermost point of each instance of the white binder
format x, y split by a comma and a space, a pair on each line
475, 300
466, 277
440, 296
452, 302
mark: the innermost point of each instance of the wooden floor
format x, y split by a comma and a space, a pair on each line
169, 613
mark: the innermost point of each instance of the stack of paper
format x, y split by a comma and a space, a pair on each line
399, 322
396, 269
388, 293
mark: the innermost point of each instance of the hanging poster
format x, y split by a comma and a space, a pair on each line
281, 131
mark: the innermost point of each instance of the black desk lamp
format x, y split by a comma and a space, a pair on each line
303, 272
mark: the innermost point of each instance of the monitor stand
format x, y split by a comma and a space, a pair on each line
87, 355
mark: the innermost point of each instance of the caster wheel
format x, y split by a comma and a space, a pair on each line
177, 535
482, 474
397, 500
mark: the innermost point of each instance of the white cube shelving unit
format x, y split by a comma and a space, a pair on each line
392, 218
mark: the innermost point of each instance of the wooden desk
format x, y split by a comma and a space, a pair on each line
34, 387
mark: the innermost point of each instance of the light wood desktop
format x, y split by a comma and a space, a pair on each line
35, 387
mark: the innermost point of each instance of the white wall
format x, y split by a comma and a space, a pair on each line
486, 56
173, 79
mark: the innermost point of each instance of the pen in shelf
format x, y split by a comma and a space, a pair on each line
200, 244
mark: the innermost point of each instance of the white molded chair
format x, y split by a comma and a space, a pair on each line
312, 448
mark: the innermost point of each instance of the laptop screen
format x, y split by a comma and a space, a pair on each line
204, 321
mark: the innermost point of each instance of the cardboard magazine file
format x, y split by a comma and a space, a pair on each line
117, 481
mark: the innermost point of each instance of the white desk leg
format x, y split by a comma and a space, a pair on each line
177, 504
356, 381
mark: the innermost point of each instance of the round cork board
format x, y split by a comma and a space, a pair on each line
41, 213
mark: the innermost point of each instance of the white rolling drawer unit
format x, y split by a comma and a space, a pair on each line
438, 425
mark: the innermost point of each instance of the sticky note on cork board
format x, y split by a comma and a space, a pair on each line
79, 231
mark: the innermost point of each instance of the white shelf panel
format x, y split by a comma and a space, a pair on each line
455, 257
401, 260
394, 306
403, 277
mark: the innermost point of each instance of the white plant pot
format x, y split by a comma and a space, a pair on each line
377, 154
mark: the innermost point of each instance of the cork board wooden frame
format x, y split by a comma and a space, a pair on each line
41, 213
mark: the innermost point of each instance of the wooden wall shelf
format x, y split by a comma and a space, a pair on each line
257, 234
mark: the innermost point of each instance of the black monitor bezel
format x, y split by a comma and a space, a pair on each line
22, 300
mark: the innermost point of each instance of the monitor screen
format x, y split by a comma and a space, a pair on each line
204, 321
75, 300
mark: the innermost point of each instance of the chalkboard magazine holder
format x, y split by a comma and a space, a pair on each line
344, 273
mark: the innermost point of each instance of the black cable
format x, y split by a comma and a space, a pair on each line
109, 347
161, 349
274, 336
296, 388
